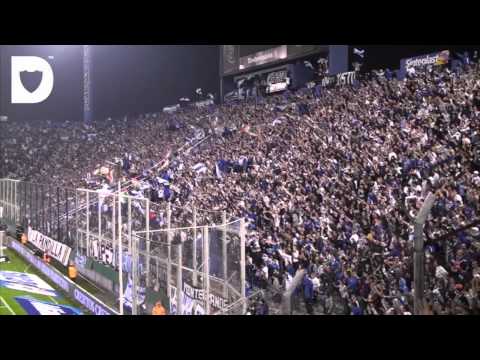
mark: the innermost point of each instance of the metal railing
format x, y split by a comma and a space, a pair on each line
205, 258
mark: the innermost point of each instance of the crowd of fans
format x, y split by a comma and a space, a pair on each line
329, 181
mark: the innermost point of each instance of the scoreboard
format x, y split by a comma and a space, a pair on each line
239, 58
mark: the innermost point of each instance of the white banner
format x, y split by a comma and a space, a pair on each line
57, 250
277, 87
347, 78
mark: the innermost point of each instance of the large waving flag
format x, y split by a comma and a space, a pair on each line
308, 64
200, 168
163, 181
359, 52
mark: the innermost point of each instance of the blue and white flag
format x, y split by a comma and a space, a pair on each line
163, 181
308, 64
141, 294
359, 52
200, 168
139, 207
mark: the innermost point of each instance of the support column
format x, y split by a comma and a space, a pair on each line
87, 231
120, 251
37, 220
129, 222
169, 249
243, 264
58, 214
135, 279
194, 260
114, 232
99, 215
419, 255
16, 204
77, 238
147, 235
206, 269
43, 211
179, 280
67, 227
2, 240
225, 254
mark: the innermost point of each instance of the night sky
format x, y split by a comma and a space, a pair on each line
134, 79
127, 79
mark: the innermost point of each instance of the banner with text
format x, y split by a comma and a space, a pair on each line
57, 250
439, 58
194, 301
263, 57
346, 78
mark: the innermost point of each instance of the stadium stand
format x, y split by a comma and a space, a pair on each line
330, 182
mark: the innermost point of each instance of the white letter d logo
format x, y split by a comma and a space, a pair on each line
32, 80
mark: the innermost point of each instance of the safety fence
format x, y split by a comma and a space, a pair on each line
179, 257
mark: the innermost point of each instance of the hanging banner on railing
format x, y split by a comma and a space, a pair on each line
107, 255
189, 305
347, 78
194, 300
56, 250
277, 81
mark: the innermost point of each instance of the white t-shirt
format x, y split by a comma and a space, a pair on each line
265, 271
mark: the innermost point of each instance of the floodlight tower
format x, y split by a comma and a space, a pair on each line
87, 84
2, 95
